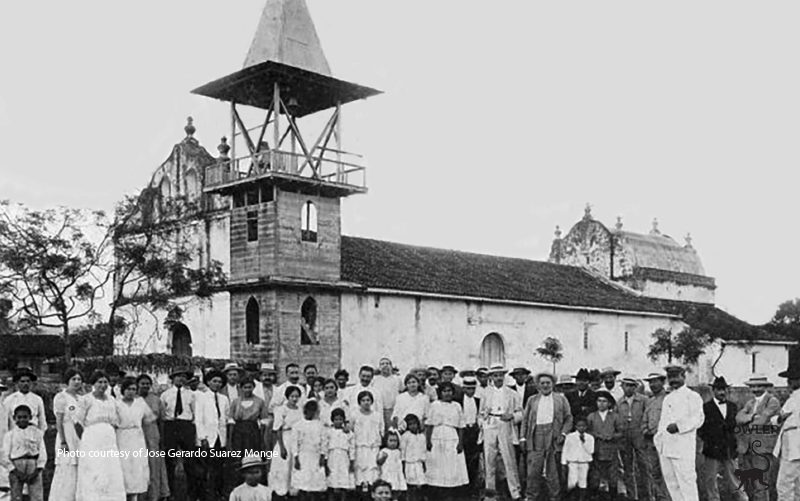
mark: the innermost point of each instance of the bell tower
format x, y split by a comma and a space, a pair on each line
285, 190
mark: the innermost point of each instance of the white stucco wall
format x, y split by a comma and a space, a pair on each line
736, 363
208, 320
422, 331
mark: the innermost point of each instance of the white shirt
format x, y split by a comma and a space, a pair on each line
406, 404
788, 445
602, 415
211, 424
170, 397
389, 387
616, 392
500, 401
723, 407
30, 399
350, 396
279, 395
544, 415
470, 411
233, 391
684, 408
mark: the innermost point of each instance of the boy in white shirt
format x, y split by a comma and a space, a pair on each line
577, 455
23, 455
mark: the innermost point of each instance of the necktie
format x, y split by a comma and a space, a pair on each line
112, 392
178, 404
216, 403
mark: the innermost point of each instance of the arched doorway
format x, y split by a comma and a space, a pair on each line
252, 322
181, 340
493, 350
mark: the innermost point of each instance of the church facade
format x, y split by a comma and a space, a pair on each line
300, 291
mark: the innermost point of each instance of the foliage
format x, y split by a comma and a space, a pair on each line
786, 320
65, 266
687, 346
551, 350
151, 363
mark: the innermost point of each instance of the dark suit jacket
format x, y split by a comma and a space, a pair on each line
530, 390
718, 432
582, 406
562, 420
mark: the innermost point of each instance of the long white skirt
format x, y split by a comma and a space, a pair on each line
446, 467
339, 465
99, 471
280, 470
135, 469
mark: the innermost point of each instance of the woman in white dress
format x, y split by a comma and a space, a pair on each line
411, 401
330, 400
446, 465
65, 406
134, 413
280, 470
99, 468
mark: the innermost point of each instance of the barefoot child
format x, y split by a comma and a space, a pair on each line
341, 457
23, 455
251, 490
368, 429
412, 446
391, 463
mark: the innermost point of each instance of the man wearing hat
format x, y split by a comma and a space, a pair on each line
630, 409
523, 384
472, 451
482, 375
787, 448
582, 401
265, 380
24, 378
232, 372
676, 438
500, 409
609, 377
755, 423
448, 374
545, 424
178, 414
652, 415
719, 443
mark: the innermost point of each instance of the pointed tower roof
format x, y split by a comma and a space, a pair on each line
286, 34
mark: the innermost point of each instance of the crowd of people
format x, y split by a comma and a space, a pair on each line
435, 433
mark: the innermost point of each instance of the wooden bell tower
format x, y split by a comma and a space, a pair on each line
285, 190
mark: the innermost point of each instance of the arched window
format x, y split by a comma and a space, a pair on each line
252, 321
165, 188
192, 184
308, 222
308, 322
493, 350
181, 340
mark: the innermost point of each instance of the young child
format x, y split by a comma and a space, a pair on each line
390, 461
606, 428
23, 455
251, 490
309, 462
577, 455
368, 430
412, 447
341, 457
382, 491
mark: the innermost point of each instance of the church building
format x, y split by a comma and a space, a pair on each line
267, 206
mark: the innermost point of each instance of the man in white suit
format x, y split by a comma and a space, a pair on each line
211, 423
501, 410
675, 440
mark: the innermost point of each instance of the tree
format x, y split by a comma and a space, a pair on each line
786, 320
552, 351
686, 346
62, 267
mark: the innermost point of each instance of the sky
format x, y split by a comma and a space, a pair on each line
499, 120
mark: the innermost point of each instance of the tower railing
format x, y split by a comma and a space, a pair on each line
343, 171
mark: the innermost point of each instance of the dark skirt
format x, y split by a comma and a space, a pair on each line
246, 436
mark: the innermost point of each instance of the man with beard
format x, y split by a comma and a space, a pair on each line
582, 401
433, 383
652, 415
676, 439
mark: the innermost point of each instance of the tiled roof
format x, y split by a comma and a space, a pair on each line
389, 265
660, 252
673, 276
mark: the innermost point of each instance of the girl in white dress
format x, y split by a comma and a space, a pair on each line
413, 448
100, 475
341, 457
446, 466
411, 401
286, 417
65, 406
390, 461
330, 400
367, 427
134, 413
310, 450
